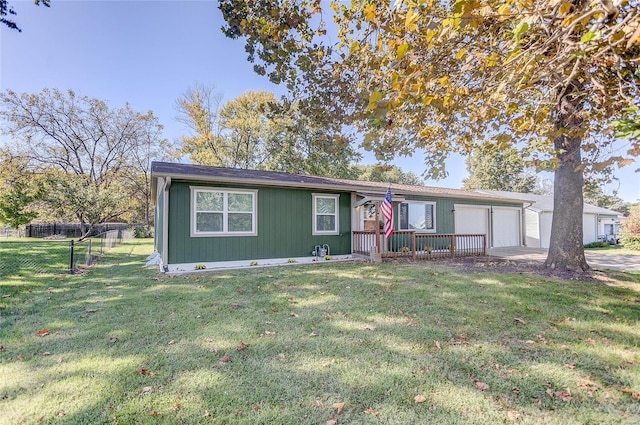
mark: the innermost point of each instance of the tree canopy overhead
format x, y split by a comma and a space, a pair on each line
7, 12
543, 76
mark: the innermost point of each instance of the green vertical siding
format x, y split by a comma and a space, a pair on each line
285, 219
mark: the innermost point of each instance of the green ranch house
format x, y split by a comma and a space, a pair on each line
214, 217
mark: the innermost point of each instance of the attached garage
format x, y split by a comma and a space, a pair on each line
500, 224
505, 227
538, 216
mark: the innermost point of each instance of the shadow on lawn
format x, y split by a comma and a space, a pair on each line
479, 346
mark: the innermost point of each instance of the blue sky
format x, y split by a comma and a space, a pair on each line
147, 53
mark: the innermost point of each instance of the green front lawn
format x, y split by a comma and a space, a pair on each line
396, 343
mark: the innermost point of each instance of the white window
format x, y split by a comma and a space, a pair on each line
325, 214
419, 216
223, 212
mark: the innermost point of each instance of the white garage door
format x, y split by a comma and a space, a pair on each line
506, 227
470, 220
589, 228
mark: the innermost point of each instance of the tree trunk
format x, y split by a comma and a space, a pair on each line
566, 249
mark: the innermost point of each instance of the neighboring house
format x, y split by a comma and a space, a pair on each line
597, 223
231, 217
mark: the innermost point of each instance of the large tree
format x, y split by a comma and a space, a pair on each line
83, 148
494, 169
255, 131
544, 76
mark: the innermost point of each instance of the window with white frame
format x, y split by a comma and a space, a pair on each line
419, 216
325, 214
223, 212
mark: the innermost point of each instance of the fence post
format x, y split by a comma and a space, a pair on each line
413, 245
453, 245
71, 257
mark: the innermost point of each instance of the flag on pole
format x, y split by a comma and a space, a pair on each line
387, 211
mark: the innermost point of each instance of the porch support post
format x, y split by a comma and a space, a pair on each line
378, 251
413, 244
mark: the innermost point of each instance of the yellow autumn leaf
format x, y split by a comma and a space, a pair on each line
461, 53
492, 60
370, 12
374, 98
410, 20
564, 9
402, 50
444, 81
504, 11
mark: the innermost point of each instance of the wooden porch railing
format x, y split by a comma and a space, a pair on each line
408, 243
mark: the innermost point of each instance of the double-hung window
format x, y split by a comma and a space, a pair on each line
223, 212
325, 214
419, 216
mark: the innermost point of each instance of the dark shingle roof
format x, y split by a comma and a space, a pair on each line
274, 178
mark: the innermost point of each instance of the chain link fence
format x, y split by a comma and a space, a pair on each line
56, 256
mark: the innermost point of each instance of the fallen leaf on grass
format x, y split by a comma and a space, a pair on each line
481, 385
171, 342
46, 353
312, 334
42, 332
339, 407
243, 345
147, 389
256, 407
113, 340
1, 347
90, 310
370, 411
420, 398
438, 345
333, 420
519, 321
319, 404
513, 415
570, 365
281, 356
564, 395
226, 358
143, 371
154, 414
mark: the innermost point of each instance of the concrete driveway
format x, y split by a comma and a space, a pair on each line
596, 259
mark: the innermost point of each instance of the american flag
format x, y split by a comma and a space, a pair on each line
386, 208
